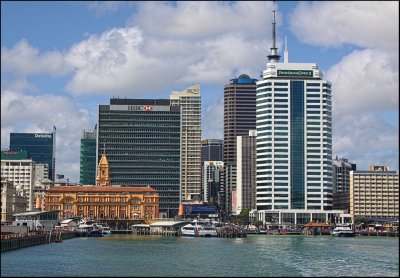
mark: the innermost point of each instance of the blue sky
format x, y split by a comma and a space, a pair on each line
61, 59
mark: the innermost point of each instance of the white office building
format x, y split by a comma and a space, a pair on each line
294, 142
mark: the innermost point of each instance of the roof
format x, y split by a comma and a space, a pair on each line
317, 224
66, 221
100, 189
169, 223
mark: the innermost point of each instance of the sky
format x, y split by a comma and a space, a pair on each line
60, 60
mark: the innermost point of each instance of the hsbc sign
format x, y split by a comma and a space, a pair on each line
140, 107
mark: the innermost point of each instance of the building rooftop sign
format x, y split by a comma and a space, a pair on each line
295, 73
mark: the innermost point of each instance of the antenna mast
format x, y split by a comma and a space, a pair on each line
273, 57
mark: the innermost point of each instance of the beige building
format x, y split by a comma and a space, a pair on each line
374, 193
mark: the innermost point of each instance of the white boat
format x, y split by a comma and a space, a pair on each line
105, 230
199, 228
343, 231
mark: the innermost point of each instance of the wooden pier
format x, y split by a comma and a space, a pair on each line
231, 232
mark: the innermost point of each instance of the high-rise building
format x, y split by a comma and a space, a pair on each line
375, 193
212, 150
88, 157
189, 102
142, 140
341, 183
239, 112
212, 181
40, 146
246, 172
294, 140
239, 117
18, 168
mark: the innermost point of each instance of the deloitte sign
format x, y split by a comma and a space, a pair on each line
295, 73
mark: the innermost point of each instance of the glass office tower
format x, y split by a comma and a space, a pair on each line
40, 146
88, 158
141, 138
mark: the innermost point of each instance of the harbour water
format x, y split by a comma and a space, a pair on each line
256, 255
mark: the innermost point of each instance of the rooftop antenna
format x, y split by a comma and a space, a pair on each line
273, 57
285, 53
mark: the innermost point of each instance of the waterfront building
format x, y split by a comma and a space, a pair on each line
88, 157
18, 168
341, 183
213, 172
40, 146
104, 201
142, 140
375, 193
294, 140
212, 150
189, 102
246, 172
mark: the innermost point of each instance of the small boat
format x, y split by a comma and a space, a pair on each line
343, 231
95, 233
199, 228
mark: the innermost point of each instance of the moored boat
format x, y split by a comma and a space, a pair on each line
199, 228
343, 231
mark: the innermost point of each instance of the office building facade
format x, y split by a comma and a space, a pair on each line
294, 140
341, 168
375, 193
88, 157
40, 146
212, 150
239, 112
212, 181
189, 102
246, 172
141, 138
18, 169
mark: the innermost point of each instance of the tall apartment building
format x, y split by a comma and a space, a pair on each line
40, 146
189, 102
246, 171
212, 150
341, 183
18, 169
294, 141
88, 157
142, 140
374, 193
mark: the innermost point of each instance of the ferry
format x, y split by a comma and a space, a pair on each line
343, 231
199, 228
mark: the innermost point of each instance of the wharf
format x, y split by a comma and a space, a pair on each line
231, 232
16, 241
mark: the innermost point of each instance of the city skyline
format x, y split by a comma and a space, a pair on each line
60, 60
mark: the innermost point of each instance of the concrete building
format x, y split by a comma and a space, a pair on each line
88, 157
374, 193
17, 168
41, 147
246, 172
189, 102
7, 195
341, 183
213, 181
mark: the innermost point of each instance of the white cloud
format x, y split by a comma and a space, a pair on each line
365, 80
24, 60
203, 19
371, 24
104, 7
31, 113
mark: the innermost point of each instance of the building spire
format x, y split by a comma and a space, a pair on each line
273, 57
